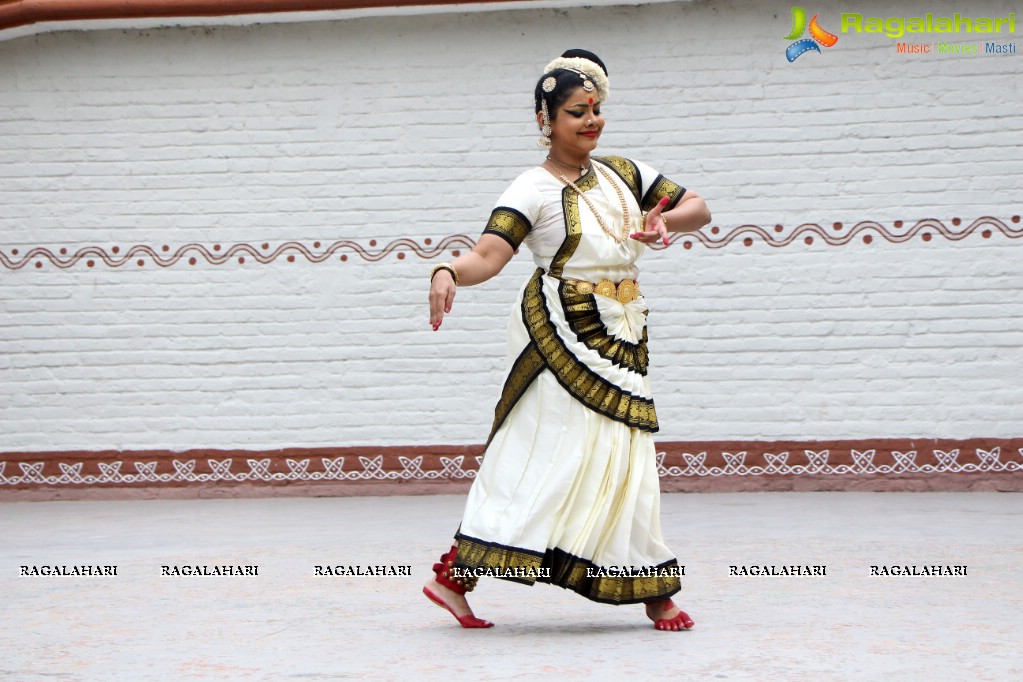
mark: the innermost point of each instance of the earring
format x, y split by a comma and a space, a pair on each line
545, 131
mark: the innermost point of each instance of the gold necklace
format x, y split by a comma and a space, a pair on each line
581, 167
623, 234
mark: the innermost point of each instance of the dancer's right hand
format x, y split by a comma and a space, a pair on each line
442, 295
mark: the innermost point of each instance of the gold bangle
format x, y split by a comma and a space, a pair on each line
665, 219
444, 266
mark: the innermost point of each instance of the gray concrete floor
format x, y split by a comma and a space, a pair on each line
287, 623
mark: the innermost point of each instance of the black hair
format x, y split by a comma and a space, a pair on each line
566, 83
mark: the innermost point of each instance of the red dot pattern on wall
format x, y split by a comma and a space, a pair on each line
714, 238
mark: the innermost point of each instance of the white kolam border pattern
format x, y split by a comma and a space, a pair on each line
362, 468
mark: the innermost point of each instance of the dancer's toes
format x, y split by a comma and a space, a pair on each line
666, 625
471, 621
667, 616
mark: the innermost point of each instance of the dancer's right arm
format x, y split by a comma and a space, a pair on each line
487, 258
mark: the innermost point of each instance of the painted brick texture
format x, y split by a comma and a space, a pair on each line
384, 133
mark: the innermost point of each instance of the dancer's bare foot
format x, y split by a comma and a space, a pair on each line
455, 603
667, 616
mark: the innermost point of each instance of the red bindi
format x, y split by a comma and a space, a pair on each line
591, 100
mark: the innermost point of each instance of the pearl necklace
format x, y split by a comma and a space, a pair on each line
619, 237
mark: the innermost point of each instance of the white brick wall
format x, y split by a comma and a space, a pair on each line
383, 128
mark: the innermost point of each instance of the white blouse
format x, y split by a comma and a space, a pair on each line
541, 211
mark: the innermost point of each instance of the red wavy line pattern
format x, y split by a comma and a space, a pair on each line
839, 235
712, 238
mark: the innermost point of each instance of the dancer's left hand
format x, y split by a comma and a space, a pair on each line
655, 229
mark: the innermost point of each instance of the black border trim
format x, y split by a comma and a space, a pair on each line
655, 185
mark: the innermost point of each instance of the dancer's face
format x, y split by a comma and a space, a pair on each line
576, 124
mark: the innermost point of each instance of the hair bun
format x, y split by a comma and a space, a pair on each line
585, 63
585, 54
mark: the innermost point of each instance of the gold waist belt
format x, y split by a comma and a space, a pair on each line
625, 291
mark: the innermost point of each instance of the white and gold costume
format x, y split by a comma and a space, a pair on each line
568, 488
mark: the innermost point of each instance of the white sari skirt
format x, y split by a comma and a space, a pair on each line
568, 492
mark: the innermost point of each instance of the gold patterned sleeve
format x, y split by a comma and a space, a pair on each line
508, 224
660, 188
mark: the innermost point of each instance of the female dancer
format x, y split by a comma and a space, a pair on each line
568, 491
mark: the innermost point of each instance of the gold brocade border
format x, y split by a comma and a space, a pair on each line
663, 187
584, 319
474, 553
626, 170
573, 223
580, 381
526, 368
557, 567
508, 224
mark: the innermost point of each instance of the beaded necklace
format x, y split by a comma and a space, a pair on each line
622, 235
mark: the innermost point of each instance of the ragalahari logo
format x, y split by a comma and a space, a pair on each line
817, 35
